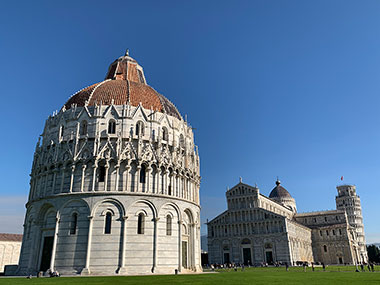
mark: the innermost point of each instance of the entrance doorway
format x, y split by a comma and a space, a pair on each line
46, 253
247, 259
269, 257
226, 257
184, 254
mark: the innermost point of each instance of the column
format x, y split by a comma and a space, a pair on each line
94, 168
192, 246
172, 179
86, 269
46, 179
83, 175
106, 176
54, 243
179, 246
197, 191
31, 183
159, 178
72, 177
32, 187
35, 186
187, 188
117, 169
199, 265
175, 192
127, 179
55, 171
147, 182
34, 249
155, 220
62, 179
166, 184
137, 178
122, 269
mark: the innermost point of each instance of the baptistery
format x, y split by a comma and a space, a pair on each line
114, 185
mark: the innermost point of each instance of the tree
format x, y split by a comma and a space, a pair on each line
373, 253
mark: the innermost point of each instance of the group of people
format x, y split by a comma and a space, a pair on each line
233, 266
48, 273
370, 266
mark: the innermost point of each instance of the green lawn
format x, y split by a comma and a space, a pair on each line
333, 275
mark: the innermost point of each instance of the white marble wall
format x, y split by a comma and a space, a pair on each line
129, 253
66, 177
9, 253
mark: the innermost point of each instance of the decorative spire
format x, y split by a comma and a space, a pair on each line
127, 52
278, 182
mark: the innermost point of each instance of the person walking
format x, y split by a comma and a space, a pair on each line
312, 266
323, 266
287, 266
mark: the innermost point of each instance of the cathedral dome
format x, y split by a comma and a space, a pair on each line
279, 191
124, 83
282, 196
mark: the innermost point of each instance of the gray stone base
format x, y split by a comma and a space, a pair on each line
122, 271
85, 272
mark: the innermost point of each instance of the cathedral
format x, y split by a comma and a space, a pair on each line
114, 185
257, 229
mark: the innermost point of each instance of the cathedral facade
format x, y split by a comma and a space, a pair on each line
114, 184
257, 229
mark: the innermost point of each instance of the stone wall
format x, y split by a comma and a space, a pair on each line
9, 253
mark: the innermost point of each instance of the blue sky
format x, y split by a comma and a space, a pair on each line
273, 88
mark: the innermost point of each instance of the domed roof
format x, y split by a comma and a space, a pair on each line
279, 191
124, 83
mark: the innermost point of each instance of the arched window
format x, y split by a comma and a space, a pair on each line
61, 131
83, 128
112, 127
162, 180
181, 141
140, 224
168, 225
102, 173
139, 129
165, 135
142, 173
107, 227
170, 181
325, 248
73, 223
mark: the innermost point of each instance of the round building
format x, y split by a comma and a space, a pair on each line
114, 184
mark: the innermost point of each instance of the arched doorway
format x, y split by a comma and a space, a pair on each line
268, 248
246, 251
185, 246
187, 241
226, 254
47, 229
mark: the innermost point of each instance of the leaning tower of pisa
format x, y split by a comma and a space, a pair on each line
348, 201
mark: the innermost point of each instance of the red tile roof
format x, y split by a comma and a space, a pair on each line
120, 92
10, 237
123, 84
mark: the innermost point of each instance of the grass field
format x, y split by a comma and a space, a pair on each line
333, 275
